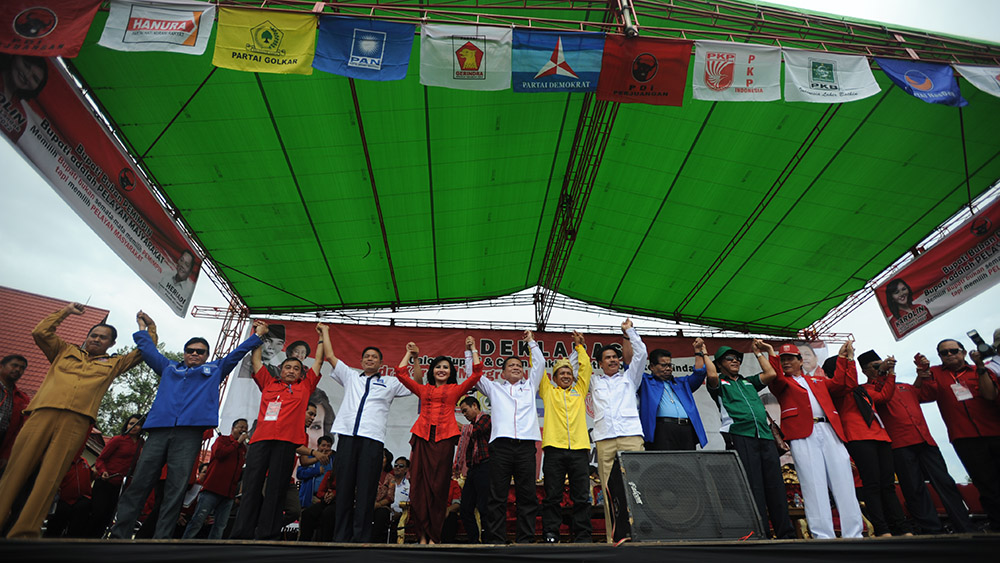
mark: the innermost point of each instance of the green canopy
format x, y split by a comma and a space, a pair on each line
317, 192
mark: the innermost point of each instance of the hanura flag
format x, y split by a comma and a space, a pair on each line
466, 57
644, 70
45, 28
553, 61
933, 83
986, 78
265, 41
177, 26
736, 72
826, 78
362, 48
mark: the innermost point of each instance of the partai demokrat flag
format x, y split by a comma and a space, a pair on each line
736, 72
556, 61
465, 57
176, 26
826, 78
265, 41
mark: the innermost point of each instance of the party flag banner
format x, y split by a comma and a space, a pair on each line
644, 70
933, 83
176, 26
49, 28
465, 57
265, 41
826, 78
552, 61
364, 49
736, 72
986, 78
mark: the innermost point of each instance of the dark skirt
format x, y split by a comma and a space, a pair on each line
430, 481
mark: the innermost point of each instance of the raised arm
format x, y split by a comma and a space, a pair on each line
403, 371
327, 349
762, 352
537, 360
322, 344
845, 376
229, 362
711, 375
259, 330
987, 385
147, 348
45, 333
883, 389
696, 378
778, 383
639, 354
416, 370
585, 368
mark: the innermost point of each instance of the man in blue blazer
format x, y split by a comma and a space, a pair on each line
667, 410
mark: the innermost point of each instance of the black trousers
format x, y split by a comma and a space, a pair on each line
510, 457
104, 501
672, 435
73, 519
476, 495
317, 521
557, 465
981, 458
259, 516
873, 459
358, 466
760, 461
923, 462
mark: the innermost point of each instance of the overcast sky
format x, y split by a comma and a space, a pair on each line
47, 249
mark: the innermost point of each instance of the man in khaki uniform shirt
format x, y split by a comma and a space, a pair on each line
61, 414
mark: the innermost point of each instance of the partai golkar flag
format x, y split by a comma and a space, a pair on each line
176, 26
265, 41
465, 57
736, 72
986, 78
826, 78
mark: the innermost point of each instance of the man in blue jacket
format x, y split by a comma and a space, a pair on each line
186, 404
667, 410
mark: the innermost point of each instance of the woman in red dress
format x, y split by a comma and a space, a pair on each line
435, 434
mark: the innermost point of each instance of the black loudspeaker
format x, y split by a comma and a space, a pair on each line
681, 496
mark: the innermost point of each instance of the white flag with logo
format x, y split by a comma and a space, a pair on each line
466, 57
178, 26
812, 76
986, 78
736, 72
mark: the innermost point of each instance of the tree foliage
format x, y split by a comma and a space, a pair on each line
133, 392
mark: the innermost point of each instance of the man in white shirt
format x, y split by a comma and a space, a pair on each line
360, 425
616, 416
513, 443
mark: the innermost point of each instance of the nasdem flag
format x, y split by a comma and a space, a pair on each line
177, 26
554, 61
933, 83
364, 49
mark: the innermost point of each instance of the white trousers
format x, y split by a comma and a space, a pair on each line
822, 461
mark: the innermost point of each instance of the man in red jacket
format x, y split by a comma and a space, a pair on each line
967, 398
223, 480
811, 425
12, 403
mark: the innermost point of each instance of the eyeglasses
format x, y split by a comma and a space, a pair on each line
949, 351
196, 351
732, 359
399, 466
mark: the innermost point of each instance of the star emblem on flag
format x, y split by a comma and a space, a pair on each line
557, 64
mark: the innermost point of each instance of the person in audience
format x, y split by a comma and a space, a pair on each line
225, 469
318, 519
116, 462
310, 473
73, 509
476, 492
12, 404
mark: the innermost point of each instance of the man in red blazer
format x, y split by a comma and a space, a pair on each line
812, 427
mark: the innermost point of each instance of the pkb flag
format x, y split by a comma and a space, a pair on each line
933, 83
827, 78
158, 25
364, 49
551, 61
265, 41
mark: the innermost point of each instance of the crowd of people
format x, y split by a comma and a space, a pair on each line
357, 492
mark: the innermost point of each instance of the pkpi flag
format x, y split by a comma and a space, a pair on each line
265, 41
827, 78
933, 83
364, 49
551, 61
158, 25
644, 70
736, 72
466, 57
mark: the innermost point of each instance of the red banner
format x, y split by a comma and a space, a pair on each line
49, 28
956, 269
644, 70
51, 126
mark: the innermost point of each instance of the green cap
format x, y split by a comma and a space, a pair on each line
722, 352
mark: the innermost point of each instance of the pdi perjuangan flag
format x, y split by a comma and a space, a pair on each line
645, 70
826, 78
953, 271
265, 41
176, 26
933, 83
736, 72
466, 57
986, 78
45, 28
553, 61
364, 49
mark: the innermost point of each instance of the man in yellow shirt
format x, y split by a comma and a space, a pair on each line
566, 445
61, 413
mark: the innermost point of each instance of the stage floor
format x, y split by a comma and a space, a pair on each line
964, 548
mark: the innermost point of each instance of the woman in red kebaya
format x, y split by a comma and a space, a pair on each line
435, 434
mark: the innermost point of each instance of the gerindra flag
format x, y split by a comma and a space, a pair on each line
552, 61
45, 28
736, 72
826, 78
265, 41
933, 83
466, 57
365, 49
986, 78
644, 70
158, 25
